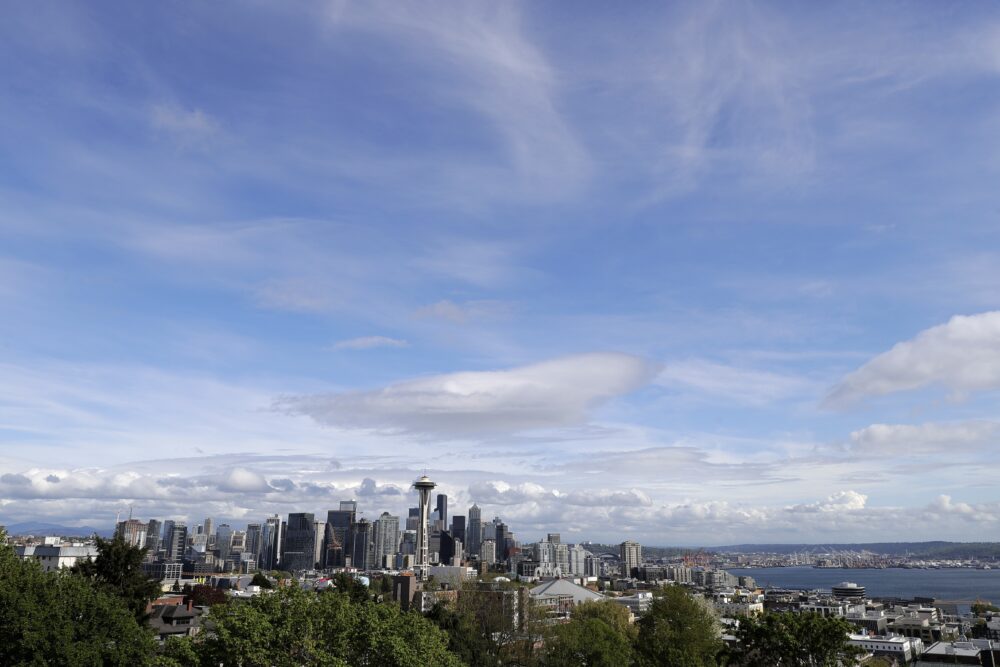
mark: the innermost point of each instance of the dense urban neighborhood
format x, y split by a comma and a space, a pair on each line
475, 581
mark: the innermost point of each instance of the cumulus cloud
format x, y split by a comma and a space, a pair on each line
931, 438
945, 505
369, 487
242, 480
15, 479
839, 502
369, 342
962, 355
548, 394
282, 484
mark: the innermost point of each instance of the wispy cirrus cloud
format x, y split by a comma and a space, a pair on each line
369, 343
748, 386
944, 438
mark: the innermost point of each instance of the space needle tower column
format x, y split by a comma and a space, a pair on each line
424, 486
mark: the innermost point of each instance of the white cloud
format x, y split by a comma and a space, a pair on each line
369, 342
962, 355
948, 439
241, 480
465, 312
487, 64
945, 505
842, 501
548, 394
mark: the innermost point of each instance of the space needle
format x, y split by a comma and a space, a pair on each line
424, 486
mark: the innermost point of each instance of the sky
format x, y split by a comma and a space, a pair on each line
691, 273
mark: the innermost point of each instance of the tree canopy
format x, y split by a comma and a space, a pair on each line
678, 629
56, 618
290, 627
598, 635
789, 639
118, 569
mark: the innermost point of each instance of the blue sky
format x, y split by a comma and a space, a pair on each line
690, 274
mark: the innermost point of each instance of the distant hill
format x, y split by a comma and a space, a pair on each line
927, 550
938, 549
51, 529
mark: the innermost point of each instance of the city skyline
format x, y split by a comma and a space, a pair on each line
702, 274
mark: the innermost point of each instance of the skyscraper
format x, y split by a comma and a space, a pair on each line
442, 510
386, 537
363, 545
168, 527
210, 542
474, 530
337, 534
176, 542
630, 554
272, 539
224, 542
153, 537
501, 535
252, 545
132, 531
458, 527
300, 545
424, 486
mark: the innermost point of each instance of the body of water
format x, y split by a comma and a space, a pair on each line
944, 584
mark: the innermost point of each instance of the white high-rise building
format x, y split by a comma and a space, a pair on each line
386, 538
578, 559
630, 554
488, 551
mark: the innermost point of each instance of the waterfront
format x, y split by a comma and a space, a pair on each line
944, 584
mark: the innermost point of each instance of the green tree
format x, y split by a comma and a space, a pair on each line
464, 638
291, 627
118, 569
345, 584
789, 639
981, 607
259, 579
598, 635
55, 618
679, 630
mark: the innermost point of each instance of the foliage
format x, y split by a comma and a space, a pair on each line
598, 635
678, 629
787, 639
464, 638
55, 618
203, 595
348, 585
176, 652
980, 607
294, 627
118, 569
259, 579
